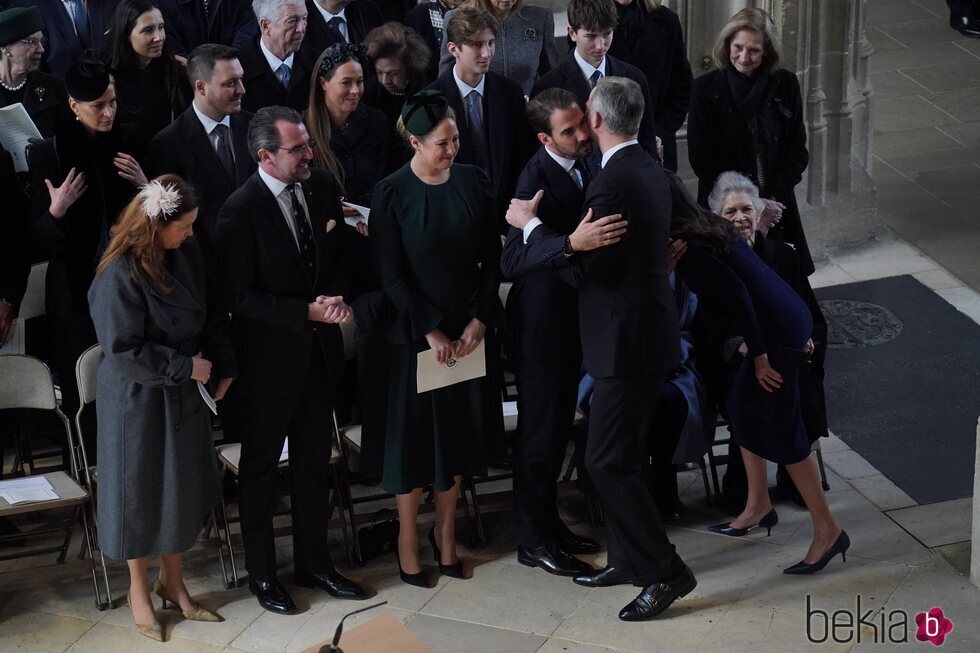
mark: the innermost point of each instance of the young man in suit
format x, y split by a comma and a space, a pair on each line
489, 108
277, 71
542, 313
339, 21
284, 268
630, 341
590, 27
207, 144
191, 23
72, 27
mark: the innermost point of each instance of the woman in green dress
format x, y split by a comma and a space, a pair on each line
437, 253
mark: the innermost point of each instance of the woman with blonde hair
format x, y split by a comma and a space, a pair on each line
162, 332
747, 116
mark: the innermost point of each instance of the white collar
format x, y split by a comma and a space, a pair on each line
587, 68
208, 123
327, 15
464, 88
566, 164
616, 148
274, 61
274, 185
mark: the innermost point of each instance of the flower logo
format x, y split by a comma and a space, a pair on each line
933, 626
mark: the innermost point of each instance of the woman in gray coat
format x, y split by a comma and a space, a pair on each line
155, 313
526, 47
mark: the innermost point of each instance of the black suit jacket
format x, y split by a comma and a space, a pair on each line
15, 262
46, 102
568, 75
183, 148
362, 16
262, 87
268, 288
418, 19
626, 307
229, 22
64, 46
507, 130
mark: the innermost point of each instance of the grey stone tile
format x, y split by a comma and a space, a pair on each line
913, 112
446, 635
556, 645
749, 627
957, 555
970, 45
894, 83
938, 280
103, 638
963, 299
966, 205
885, 12
938, 585
951, 182
882, 492
917, 32
913, 141
28, 630
937, 524
962, 103
271, 632
912, 163
237, 606
322, 624
920, 55
829, 274
947, 77
881, 41
967, 133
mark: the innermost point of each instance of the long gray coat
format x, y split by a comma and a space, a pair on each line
157, 469
525, 50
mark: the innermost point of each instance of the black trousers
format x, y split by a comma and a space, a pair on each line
547, 391
306, 419
615, 455
669, 417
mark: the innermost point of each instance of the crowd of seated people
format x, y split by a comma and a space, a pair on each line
265, 128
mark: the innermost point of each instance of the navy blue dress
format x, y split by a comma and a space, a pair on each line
773, 320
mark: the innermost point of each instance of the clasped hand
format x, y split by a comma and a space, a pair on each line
443, 348
330, 310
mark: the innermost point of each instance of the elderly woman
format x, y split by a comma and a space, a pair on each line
21, 46
151, 84
80, 181
747, 116
735, 198
400, 59
526, 47
162, 328
437, 253
764, 402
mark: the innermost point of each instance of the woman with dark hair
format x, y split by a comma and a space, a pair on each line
80, 180
649, 36
162, 328
747, 116
764, 401
401, 59
151, 84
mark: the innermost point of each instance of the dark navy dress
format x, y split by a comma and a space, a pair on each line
774, 320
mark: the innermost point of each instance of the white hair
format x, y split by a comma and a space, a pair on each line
733, 182
272, 9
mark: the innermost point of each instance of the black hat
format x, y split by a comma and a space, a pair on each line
19, 23
87, 80
423, 111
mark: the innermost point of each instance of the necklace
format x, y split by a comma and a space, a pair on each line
13, 88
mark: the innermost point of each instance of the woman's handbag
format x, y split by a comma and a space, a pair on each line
380, 537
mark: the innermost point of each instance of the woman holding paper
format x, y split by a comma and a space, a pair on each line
437, 253
155, 312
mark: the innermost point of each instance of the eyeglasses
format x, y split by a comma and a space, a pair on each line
33, 43
300, 149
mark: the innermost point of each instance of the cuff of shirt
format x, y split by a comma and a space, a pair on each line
531, 225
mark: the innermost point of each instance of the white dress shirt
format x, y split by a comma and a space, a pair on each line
279, 191
210, 124
327, 16
587, 68
465, 89
616, 148
274, 61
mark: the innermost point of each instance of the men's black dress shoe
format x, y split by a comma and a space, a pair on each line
657, 597
272, 596
553, 559
605, 577
334, 584
569, 542
965, 24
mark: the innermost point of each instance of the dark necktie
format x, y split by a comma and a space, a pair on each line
307, 248
334, 26
594, 79
283, 74
80, 18
222, 146
583, 170
474, 109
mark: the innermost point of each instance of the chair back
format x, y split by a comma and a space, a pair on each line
504, 291
85, 369
25, 382
347, 330
33, 303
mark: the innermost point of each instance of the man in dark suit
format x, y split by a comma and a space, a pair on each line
542, 314
191, 23
590, 27
277, 71
630, 342
72, 27
208, 143
339, 21
489, 108
284, 268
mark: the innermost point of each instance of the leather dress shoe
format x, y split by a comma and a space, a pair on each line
569, 542
657, 597
334, 584
553, 559
965, 24
272, 595
605, 577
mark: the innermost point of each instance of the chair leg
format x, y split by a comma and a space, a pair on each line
347, 503
231, 549
338, 500
221, 545
87, 532
481, 537
708, 499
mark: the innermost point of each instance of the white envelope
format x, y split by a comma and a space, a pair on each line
432, 376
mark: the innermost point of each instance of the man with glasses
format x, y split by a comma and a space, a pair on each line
284, 268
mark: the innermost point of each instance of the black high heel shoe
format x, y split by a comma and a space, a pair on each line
418, 580
767, 522
841, 544
454, 570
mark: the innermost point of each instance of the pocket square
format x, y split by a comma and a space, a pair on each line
330, 225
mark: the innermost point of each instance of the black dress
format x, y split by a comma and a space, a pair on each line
437, 253
143, 97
